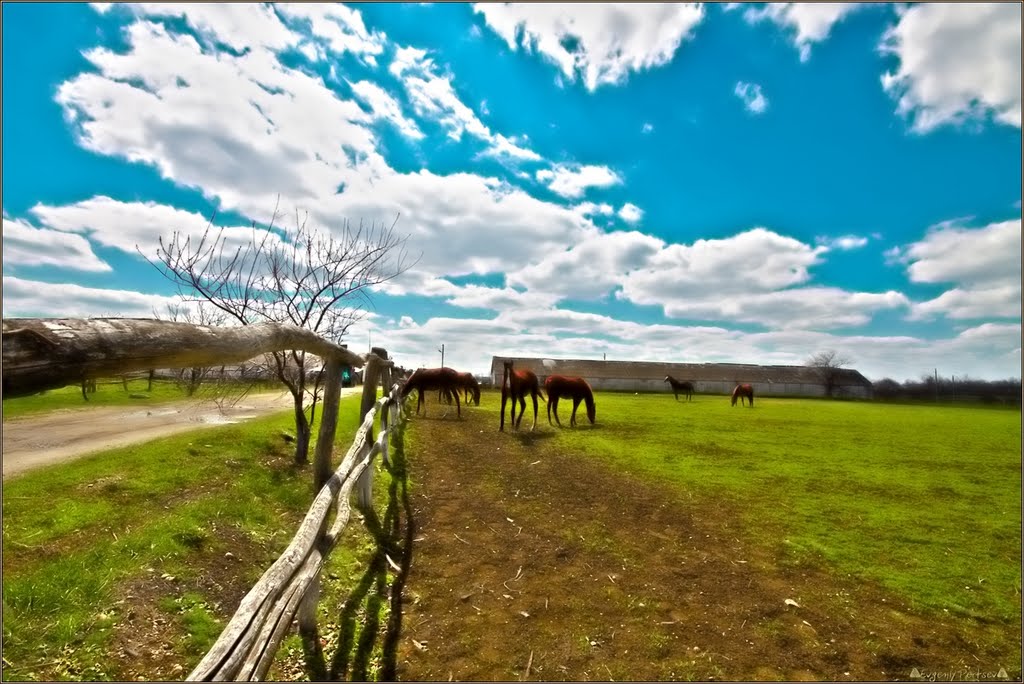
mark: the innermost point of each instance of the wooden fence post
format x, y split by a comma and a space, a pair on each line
371, 377
328, 424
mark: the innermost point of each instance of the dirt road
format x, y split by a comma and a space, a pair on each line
33, 441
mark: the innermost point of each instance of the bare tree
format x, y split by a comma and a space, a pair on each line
316, 280
828, 364
191, 379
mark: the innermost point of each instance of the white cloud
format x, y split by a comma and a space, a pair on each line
589, 269
433, 97
340, 28
957, 62
27, 245
601, 43
844, 242
34, 299
756, 260
572, 180
811, 21
384, 106
237, 25
801, 308
647, 128
983, 263
752, 97
630, 213
594, 209
242, 129
951, 253
973, 303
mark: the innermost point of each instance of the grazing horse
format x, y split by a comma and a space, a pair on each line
684, 386
445, 380
517, 384
575, 388
469, 384
743, 392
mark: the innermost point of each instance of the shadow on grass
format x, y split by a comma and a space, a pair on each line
359, 623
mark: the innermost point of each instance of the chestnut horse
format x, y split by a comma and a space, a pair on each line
743, 392
517, 384
445, 380
467, 383
684, 386
576, 389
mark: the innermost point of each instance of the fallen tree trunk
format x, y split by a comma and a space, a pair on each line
47, 353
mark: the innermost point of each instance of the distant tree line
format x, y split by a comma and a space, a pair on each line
955, 388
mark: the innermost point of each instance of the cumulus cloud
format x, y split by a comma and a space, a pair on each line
28, 245
982, 263
602, 44
589, 269
630, 213
951, 252
957, 62
753, 99
35, 299
809, 22
572, 180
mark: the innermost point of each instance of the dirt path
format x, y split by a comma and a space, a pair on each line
38, 440
533, 564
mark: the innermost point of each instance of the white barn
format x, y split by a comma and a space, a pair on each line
707, 378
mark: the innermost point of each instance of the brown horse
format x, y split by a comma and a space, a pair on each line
467, 384
445, 380
743, 392
684, 386
517, 384
575, 388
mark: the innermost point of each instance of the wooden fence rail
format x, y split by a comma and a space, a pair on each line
290, 587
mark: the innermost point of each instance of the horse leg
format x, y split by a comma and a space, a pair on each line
575, 405
522, 410
534, 395
458, 407
553, 407
504, 400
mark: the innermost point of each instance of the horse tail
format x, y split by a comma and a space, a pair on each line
735, 393
588, 397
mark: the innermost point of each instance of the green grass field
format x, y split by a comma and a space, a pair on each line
925, 500
112, 392
75, 535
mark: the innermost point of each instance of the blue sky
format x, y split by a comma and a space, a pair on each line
689, 183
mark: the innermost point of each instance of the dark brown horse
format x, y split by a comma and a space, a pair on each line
467, 384
444, 380
684, 386
743, 392
577, 389
517, 384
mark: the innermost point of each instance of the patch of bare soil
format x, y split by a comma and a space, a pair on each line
38, 440
534, 564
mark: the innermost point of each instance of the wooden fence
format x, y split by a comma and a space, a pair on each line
246, 648
40, 354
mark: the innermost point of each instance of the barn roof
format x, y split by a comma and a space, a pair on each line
694, 372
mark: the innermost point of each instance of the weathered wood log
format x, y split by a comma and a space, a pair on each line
47, 353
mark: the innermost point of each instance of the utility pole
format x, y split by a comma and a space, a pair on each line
442, 355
